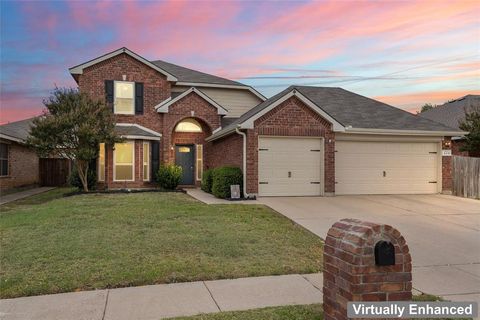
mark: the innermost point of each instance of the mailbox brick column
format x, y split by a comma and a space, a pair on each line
350, 272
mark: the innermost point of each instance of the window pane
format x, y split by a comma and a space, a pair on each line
188, 125
3, 151
4, 167
146, 161
123, 90
199, 165
124, 153
101, 162
123, 105
123, 172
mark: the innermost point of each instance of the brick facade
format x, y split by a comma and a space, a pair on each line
291, 118
156, 90
447, 166
225, 152
23, 167
350, 272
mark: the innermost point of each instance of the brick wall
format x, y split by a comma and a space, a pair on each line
350, 272
225, 152
446, 167
291, 118
22, 167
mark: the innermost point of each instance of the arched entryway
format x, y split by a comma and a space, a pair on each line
188, 141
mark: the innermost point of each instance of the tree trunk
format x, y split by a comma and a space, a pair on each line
82, 169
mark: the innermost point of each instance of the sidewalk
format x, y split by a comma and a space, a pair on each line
207, 198
23, 194
168, 300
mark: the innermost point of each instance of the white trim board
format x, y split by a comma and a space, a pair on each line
79, 69
140, 127
163, 106
7, 137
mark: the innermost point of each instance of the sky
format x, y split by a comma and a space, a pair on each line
404, 53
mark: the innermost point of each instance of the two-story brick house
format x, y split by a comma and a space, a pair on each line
303, 141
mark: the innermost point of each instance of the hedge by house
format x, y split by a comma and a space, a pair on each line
223, 178
169, 176
207, 180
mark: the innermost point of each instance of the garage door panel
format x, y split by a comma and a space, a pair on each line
277, 157
409, 167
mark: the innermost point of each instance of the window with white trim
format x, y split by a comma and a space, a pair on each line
101, 162
146, 161
124, 98
199, 164
123, 159
188, 125
3, 159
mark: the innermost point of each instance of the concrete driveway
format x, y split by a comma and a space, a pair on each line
443, 233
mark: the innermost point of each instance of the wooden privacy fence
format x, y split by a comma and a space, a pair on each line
54, 172
466, 177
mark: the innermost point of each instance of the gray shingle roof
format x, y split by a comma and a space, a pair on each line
18, 129
133, 130
452, 113
188, 75
350, 109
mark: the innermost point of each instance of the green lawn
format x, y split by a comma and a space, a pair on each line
52, 244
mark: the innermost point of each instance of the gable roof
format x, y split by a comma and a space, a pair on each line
17, 131
79, 68
348, 112
136, 131
163, 106
453, 112
188, 75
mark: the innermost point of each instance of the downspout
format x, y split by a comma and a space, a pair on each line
237, 130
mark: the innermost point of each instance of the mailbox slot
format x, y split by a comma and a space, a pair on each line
384, 253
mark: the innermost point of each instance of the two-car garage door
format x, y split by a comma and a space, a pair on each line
293, 166
386, 167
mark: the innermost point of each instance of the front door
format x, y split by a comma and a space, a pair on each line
184, 157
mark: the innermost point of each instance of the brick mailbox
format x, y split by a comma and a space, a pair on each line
364, 261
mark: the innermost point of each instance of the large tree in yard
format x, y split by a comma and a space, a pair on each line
72, 126
471, 124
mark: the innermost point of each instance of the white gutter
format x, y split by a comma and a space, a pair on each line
7, 137
237, 130
349, 129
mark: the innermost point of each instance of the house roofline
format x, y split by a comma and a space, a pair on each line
163, 106
79, 68
7, 137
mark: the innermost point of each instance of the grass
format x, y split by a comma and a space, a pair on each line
51, 244
297, 312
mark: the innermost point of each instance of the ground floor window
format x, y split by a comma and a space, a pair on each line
146, 161
3, 159
123, 158
199, 162
101, 162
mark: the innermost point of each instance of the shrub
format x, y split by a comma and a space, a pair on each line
207, 180
223, 178
169, 175
74, 179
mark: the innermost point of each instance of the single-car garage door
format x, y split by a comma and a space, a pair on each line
386, 167
290, 166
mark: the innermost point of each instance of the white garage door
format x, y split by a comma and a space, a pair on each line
290, 166
385, 167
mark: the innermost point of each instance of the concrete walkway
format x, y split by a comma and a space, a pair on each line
168, 300
22, 194
207, 198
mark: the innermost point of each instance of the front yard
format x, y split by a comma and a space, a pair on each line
51, 244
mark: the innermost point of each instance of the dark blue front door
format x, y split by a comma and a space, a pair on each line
184, 157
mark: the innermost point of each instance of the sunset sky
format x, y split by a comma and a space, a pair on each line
405, 53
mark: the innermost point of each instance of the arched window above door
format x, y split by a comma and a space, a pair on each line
188, 125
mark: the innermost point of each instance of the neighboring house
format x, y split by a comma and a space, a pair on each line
302, 141
452, 114
18, 164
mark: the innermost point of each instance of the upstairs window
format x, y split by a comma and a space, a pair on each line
188, 125
124, 100
3, 159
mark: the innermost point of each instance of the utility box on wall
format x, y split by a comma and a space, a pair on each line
364, 261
